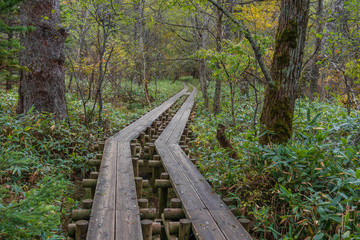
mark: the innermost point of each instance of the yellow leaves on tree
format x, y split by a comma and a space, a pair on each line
259, 16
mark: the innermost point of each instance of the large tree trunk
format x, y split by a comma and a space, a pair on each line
279, 103
43, 85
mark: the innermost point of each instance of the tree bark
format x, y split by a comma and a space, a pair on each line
42, 86
279, 103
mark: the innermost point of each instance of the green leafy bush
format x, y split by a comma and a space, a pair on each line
306, 189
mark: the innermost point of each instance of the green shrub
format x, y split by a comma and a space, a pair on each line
309, 187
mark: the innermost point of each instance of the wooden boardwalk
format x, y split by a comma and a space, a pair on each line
115, 212
210, 217
138, 157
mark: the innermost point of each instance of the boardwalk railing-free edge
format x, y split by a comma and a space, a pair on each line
145, 160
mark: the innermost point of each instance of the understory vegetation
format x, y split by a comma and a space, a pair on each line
308, 188
42, 160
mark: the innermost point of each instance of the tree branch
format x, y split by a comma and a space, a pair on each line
253, 44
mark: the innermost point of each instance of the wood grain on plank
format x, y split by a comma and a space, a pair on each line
102, 219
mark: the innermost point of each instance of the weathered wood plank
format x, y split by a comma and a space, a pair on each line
102, 219
192, 203
132, 130
125, 184
128, 225
218, 209
101, 225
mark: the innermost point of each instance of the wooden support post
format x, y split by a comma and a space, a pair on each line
133, 149
155, 124
138, 150
89, 183
152, 133
94, 176
98, 156
142, 139
147, 213
139, 185
95, 162
96, 147
101, 145
87, 203
174, 213
193, 160
146, 227
156, 228
163, 194
136, 166
173, 227
184, 230
175, 203
81, 229
71, 229
151, 150
80, 214
143, 203
162, 183
245, 223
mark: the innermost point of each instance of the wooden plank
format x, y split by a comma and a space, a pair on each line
125, 189
128, 225
176, 135
101, 225
226, 221
102, 219
193, 205
173, 134
132, 130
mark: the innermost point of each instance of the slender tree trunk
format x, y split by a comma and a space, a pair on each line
219, 37
202, 63
9, 77
43, 85
279, 103
203, 82
315, 68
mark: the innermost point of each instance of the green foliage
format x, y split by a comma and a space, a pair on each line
40, 159
308, 188
9, 46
